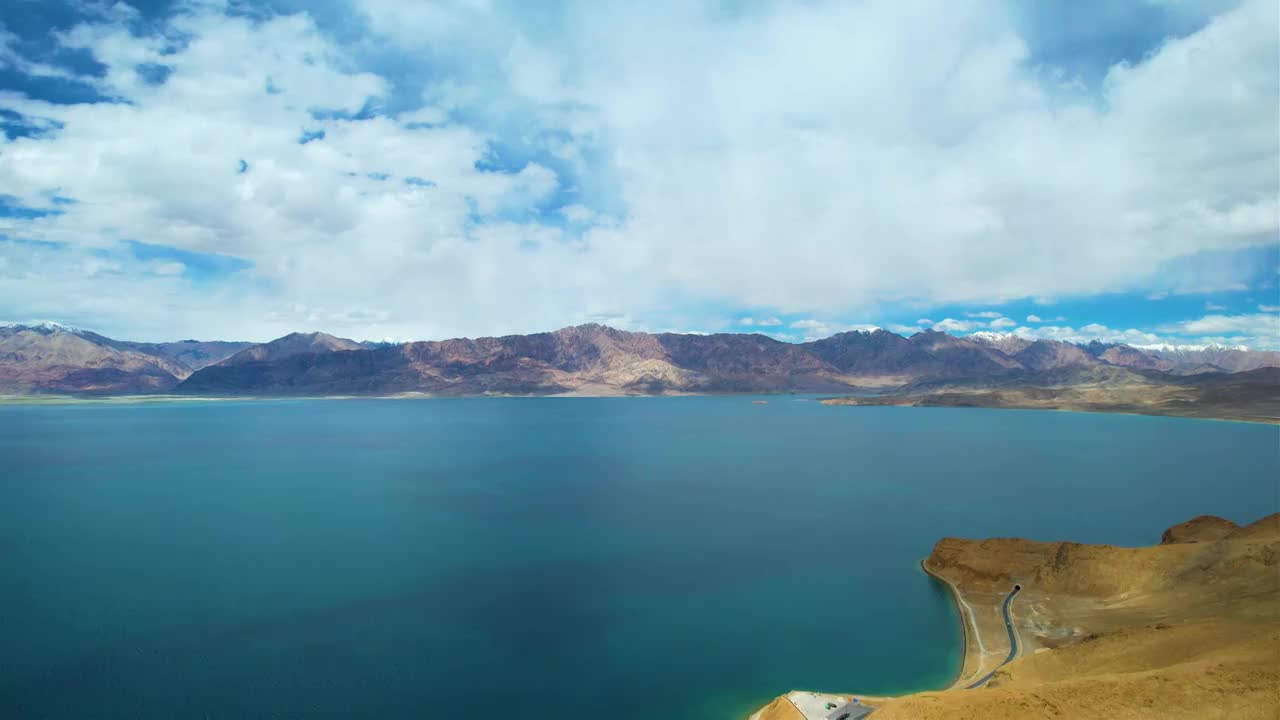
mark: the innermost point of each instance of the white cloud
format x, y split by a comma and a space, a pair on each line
1261, 332
1269, 308
924, 321
168, 268
1087, 333
761, 322
984, 314
1034, 319
1127, 192
818, 329
1258, 325
1213, 306
578, 213
337, 236
979, 322
725, 156
952, 325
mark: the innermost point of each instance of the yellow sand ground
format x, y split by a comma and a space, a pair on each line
1189, 628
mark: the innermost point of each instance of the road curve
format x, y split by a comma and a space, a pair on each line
1013, 640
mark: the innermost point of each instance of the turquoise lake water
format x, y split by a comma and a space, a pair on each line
680, 558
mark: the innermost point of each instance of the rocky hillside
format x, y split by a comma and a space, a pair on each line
1225, 359
589, 359
51, 358
189, 354
290, 345
46, 359
601, 360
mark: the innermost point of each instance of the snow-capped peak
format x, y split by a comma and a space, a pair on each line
45, 325
991, 336
1165, 347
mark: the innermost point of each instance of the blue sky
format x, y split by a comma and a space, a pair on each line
380, 169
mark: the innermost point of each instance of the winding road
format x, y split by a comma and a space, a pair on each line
1013, 640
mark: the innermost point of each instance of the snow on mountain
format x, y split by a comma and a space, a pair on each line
1007, 343
40, 325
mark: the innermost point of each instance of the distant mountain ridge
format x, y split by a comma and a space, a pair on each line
290, 345
586, 359
53, 358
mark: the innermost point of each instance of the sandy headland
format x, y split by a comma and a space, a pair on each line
1187, 628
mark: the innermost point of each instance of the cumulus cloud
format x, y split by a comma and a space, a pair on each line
1259, 332
952, 325
1034, 319
760, 322
730, 164
812, 329
984, 314
1127, 193
1002, 322
1259, 324
382, 225
1090, 332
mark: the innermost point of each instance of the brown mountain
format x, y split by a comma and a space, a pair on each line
590, 358
54, 359
290, 345
1229, 359
600, 360
1125, 356
190, 354
1049, 354
962, 357
594, 359
875, 353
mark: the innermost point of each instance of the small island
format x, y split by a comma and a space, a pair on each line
1186, 628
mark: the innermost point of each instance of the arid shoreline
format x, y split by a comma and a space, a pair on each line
1187, 628
1268, 415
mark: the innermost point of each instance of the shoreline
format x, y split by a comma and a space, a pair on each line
820, 398
957, 681
965, 621
1251, 420
1192, 611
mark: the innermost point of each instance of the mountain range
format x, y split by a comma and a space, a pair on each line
48, 358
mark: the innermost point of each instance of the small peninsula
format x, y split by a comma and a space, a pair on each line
1249, 396
1188, 628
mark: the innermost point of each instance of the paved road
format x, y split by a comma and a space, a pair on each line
1013, 640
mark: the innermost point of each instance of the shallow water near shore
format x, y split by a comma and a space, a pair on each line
682, 558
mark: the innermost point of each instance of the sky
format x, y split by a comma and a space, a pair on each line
379, 169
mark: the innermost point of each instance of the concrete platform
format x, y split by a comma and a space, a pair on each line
825, 706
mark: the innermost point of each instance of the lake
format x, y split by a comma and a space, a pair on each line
676, 558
